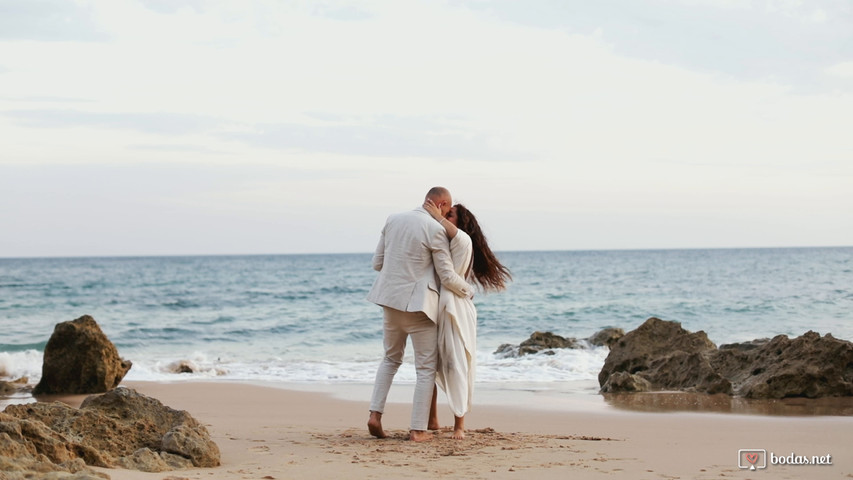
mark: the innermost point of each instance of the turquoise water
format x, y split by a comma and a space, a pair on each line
304, 318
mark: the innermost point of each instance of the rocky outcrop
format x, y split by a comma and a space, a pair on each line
606, 337
664, 355
660, 355
626, 382
808, 366
119, 428
14, 386
79, 358
546, 342
182, 366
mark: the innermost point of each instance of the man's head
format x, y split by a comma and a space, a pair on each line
440, 196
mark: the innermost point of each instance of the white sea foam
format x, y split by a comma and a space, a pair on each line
563, 366
15, 365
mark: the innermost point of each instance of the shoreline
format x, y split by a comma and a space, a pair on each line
267, 431
556, 397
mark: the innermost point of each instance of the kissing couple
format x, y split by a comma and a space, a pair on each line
430, 260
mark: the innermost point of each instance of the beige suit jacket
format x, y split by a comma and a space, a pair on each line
413, 260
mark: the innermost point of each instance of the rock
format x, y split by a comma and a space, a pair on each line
79, 358
192, 443
625, 382
20, 461
147, 460
177, 462
745, 346
808, 366
182, 366
606, 337
668, 357
539, 342
118, 428
653, 341
507, 350
545, 341
15, 386
162, 425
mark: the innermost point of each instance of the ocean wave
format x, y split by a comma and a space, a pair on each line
216, 321
339, 290
25, 363
180, 304
565, 365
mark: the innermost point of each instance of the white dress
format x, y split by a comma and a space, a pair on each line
457, 334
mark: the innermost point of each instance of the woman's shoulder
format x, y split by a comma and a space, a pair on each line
460, 239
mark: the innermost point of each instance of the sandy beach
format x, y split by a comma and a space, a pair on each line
267, 432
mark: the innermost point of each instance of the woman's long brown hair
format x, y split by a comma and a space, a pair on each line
489, 273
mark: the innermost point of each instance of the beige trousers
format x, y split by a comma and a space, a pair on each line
398, 326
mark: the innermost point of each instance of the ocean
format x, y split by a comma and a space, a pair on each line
304, 318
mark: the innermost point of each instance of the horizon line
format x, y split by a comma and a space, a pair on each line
579, 250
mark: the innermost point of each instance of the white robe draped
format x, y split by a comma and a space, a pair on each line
457, 334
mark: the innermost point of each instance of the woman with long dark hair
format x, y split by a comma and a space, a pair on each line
457, 317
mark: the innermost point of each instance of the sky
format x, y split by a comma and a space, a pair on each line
178, 127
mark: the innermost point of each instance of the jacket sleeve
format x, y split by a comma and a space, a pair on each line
444, 266
379, 254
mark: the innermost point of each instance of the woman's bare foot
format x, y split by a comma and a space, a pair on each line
374, 425
458, 428
420, 436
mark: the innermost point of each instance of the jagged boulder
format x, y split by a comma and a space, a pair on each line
653, 348
807, 366
79, 358
119, 428
20, 457
660, 355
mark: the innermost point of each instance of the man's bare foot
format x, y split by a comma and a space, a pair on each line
374, 425
420, 436
458, 434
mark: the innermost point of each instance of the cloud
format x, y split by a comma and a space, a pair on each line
48, 20
172, 6
347, 12
179, 148
156, 123
45, 99
843, 69
615, 114
784, 41
384, 137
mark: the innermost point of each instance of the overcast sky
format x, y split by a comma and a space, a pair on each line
165, 127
